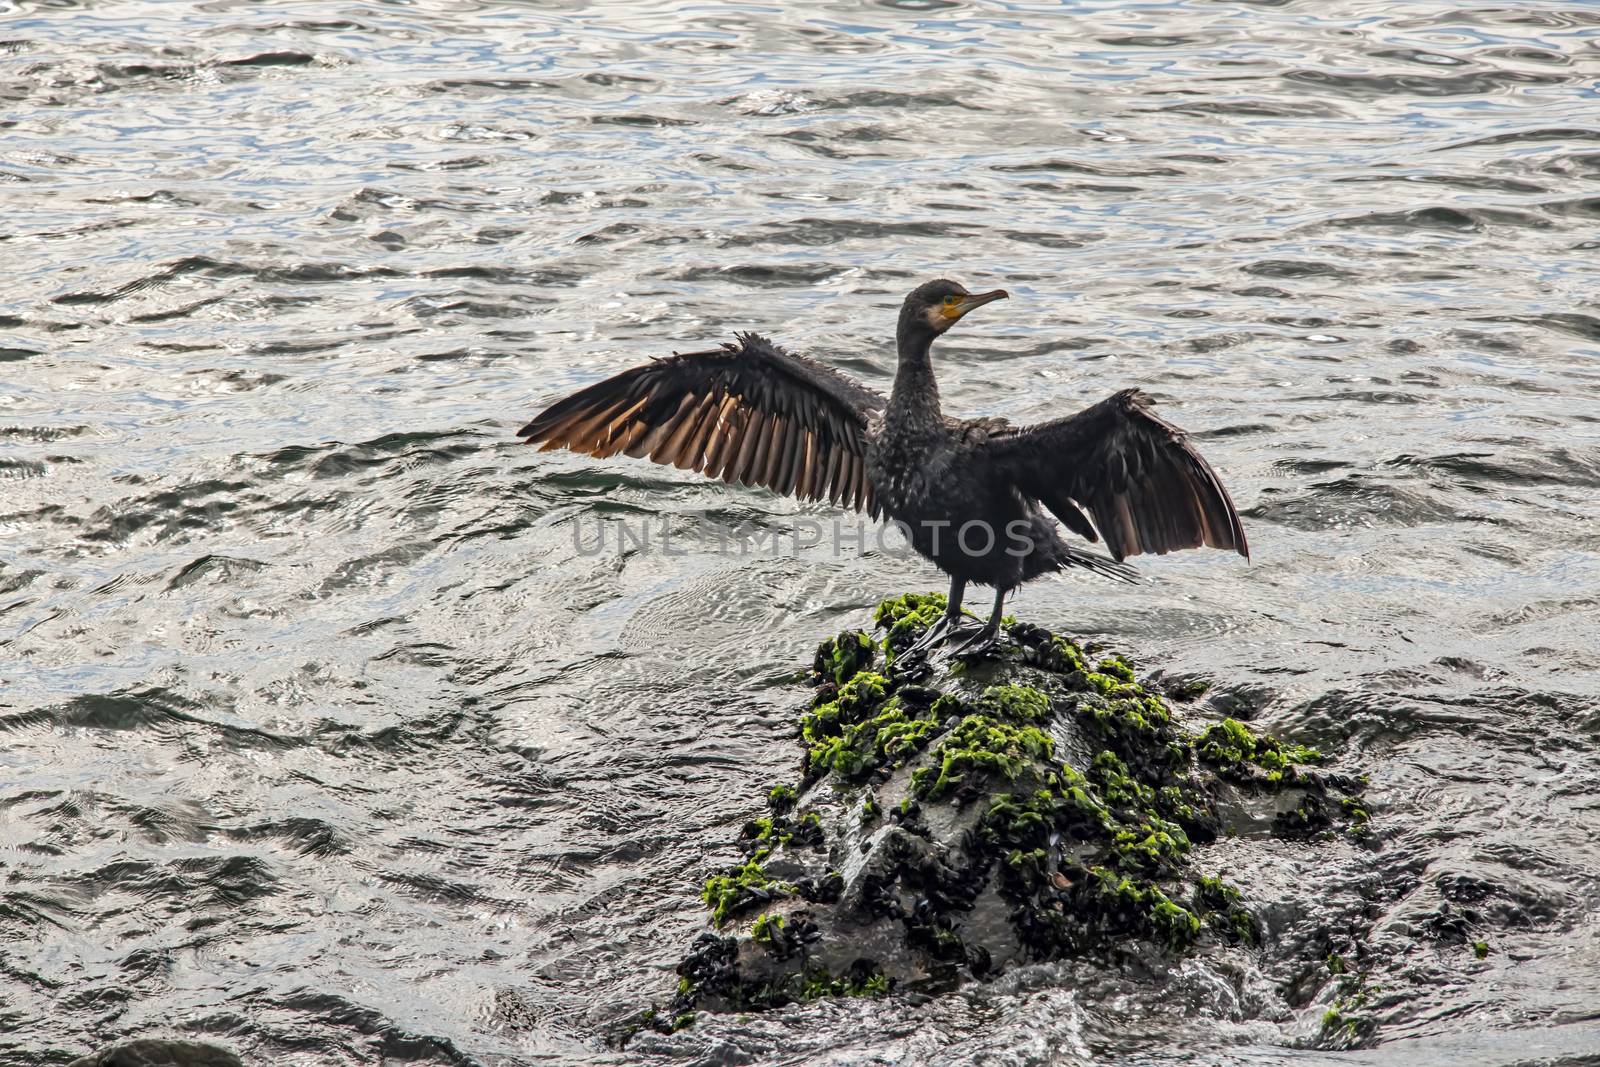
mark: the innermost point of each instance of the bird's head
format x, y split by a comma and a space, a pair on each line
935, 306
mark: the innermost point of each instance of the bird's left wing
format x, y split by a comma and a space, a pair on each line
1135, 473
749, 412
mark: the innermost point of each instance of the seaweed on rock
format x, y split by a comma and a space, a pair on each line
947, 825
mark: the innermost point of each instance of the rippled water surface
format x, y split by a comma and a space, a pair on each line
321, 737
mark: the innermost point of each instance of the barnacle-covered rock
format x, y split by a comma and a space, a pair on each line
953, 819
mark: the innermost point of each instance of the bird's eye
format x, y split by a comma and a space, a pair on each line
950, 301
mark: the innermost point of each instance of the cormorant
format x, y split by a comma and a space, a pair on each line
970, 493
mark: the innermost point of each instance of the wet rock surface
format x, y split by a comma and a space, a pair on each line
952, 820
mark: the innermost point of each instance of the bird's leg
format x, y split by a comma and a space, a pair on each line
984, 639
945, 623
951, 621
952, 603
959, 625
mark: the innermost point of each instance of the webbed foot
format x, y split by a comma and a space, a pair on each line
979, 644
931, 637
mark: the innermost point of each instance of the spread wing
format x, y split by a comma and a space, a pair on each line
748, 412
1135, 473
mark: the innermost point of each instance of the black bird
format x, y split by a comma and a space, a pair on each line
971, 494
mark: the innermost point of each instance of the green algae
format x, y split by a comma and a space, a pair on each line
843, 741
1118, 786
1015, 703
1359, 816
1170, 807
913, 611
1018, 822
727, 893
980, 746
1154, 851
1124, 712
886, 738
763, 834
1100, 683
1352, 807
1117, 668
1127, 906
905, 617
851, 703
841, 658
1238, 752
1068, 654
767, 929
1175, 926
1224, 911
818, 983
923, 609
781, 799
869, 810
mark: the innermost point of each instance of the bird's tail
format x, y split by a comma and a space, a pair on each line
1110, 568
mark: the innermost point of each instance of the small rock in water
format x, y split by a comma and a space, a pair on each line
160, 1052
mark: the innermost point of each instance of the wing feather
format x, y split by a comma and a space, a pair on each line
725, 445
754, 437
792, 453
831, 478
761, 466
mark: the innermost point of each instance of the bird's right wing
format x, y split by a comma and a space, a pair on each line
749, 413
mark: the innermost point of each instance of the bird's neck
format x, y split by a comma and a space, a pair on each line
915, 396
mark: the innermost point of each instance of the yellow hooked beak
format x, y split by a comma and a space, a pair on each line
957, 306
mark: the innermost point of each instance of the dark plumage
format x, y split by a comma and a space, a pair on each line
972, 494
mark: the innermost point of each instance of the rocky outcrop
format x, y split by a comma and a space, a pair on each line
953, 819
